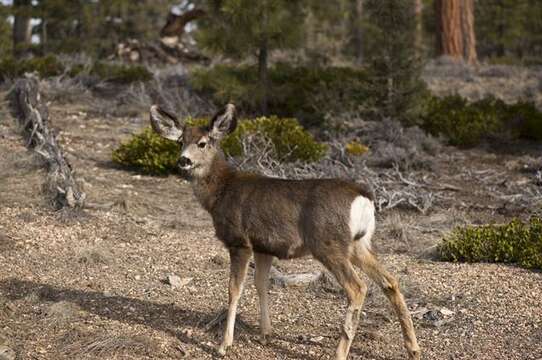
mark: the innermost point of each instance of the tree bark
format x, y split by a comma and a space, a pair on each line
469, 36
449, 29
356, 14
22, 27
419, 25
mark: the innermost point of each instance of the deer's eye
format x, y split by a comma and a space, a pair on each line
202, 144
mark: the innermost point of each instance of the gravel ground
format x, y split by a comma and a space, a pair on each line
92, 284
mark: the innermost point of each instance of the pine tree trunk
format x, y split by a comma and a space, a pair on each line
262, 75
22, 27
419, 25
450, 34
469, 36
356, 14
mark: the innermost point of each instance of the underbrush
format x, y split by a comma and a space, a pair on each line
306, 93
467, 124
516, 242
46, 66
289, 142
50, 65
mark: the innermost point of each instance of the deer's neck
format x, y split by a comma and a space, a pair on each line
208, 188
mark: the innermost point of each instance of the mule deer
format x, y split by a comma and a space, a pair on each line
331, 219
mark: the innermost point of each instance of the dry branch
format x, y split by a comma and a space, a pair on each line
33, 117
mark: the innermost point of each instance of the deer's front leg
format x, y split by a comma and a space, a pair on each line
239, 258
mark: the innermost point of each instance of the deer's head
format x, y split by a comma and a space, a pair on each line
198, 145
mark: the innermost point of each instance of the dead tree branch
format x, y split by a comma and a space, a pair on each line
33, 117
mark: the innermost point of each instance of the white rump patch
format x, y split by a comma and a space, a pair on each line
362, 220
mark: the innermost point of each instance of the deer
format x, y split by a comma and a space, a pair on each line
331, 219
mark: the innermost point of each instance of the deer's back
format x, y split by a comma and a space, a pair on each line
286, 218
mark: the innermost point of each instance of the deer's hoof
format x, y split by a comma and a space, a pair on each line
263, 339
222, 350
415, 354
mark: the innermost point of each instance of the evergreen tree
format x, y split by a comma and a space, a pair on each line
5, 31
395, 69
240, 28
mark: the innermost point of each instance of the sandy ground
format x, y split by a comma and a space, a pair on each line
91, 285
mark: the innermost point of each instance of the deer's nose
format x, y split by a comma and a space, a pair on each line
184, 162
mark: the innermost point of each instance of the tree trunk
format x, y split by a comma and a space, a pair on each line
469, 36
22, 27
449, 34
262, 75
419, 26
356, 14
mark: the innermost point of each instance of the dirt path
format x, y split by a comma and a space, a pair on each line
91, 285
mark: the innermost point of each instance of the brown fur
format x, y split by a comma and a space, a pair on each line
254, 214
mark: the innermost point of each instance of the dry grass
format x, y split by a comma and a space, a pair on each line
100, 345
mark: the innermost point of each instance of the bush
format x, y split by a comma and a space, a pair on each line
467, 124
152, 154
306, 93
49, 65
149, 153
515, 242
121, 74
355, 148
45, 66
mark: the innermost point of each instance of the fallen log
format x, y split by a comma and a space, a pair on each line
33, 117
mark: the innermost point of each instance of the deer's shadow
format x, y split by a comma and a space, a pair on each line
159, 316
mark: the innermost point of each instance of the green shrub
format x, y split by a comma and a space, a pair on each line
122, 74
356, 149
467, 124
45, 66
515, 242
149, 153
291, 142
306, 93
152, 154
462, 123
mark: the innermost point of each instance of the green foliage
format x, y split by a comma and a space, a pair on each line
153, 154
96, 27
148, 152
291, 142
122, 74
45, 66
49, 65
5, 31
356, 149
306, 93
394, 66
236, 28
515, 242
466, 124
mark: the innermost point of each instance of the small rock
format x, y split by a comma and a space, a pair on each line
432, 315
6, 353
317, 339
218, 259
177, 282
446, 312
138, 277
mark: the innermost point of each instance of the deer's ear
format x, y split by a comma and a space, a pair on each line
223, 123
165, 124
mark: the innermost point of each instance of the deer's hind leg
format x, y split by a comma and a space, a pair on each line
261, 280
239, 258
356, 289
368, 263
